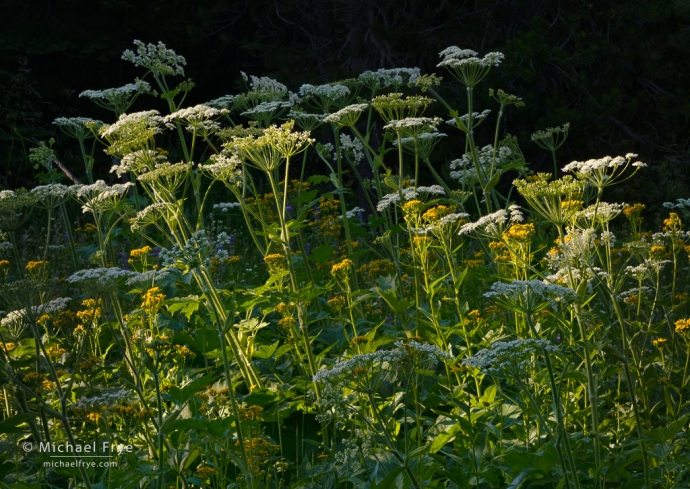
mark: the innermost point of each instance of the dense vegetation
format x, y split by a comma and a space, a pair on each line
289, 290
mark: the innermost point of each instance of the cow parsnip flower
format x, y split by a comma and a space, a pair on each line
225, 168
466, 67
138, 162
384, 78
80, 128
167, 175
393, 107
99, 197
346, 116
100, 281
132, 132
50, 196
15, 208
604, 172
119, 99
274, 145
546, 197
157, 58
325, 97
551, 138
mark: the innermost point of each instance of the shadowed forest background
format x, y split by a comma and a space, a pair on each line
616, 70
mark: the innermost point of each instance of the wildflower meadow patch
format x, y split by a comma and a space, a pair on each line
282, 289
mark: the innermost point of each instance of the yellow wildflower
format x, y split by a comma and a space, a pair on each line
343, 267
152, 300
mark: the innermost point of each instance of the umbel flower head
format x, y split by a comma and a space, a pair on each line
466, 67
552, 200
274, 145
119, 99
15, 208
132, 132
99, 197
324, 97
157, 58
384, 78
80, 128
346, 116
100, 280
393, 107
604, 172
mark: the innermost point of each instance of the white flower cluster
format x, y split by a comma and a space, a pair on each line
351, 147
105, 399
597, 165
99, 196
680, 204
384, 78
128, 126
353, 213
576, 250
157, 58
454, 57
571, 277
198, 113
224, 102
428, 123
420, 138
521, 289
465, 171
151, 276
431, 353
224, 168
5, 246
408, 194
51, 195
111, 94
52, 308
646, 269
100, 279
602, 213
264, 84
637, 291
346, 114
509, 357
148, 215
137, 162
327, 92
78, 127
490, 223
266, 108
226, 206
477, 117
197, 248
516, 216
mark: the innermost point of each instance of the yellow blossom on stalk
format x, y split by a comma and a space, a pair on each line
280, 308
275, 260
376, 268
4, 264
48, 385
519, 233
287, 322
94, 417
152, 300
501, 252
92, 312
413, 207
673, 223
337, 303
343, 267
37, 266
657, 252
42, 320
422, 242
55, 352
659, 342
7, 347
633, 211
183, 352
140, 252
682, 325
437, 212
473, 263
359, 340
89, 228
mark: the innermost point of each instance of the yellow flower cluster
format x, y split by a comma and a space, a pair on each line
413, 207
673, 223
140, 252
519, 233
35, 266
7, 347
376, 268
343, 267
4, 264
437, 212
152, 300
92, 312
633, 211
682, 325
659, 342
337, 303
183, 352
275, 260
657, 252
205, 471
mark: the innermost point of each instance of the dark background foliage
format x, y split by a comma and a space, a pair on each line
616, 70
